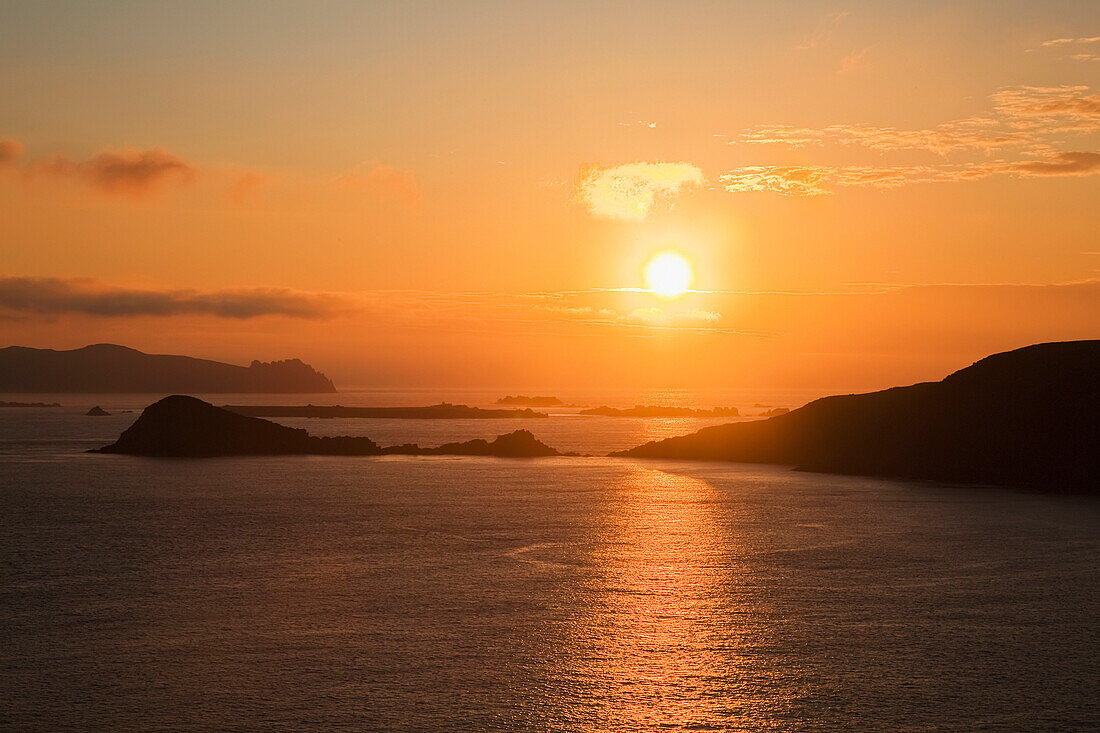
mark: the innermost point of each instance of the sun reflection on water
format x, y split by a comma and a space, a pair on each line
661, 643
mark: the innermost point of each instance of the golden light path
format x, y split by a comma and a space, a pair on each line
665, 631
668, 274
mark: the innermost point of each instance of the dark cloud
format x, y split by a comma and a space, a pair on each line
55, 296
132, 172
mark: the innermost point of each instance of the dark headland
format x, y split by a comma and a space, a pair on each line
442, 411
1029, 418
181, 426
110, 368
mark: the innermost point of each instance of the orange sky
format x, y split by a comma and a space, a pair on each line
467, 193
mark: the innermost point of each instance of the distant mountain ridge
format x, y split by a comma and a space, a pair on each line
1029, 417
112, 368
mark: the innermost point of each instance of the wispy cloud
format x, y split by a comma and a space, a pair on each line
1025, 119
824, 31
969, 134
1049, 109
629, 191
639, 123
129, 171
1080, 48
56, 296
821, 180
654, 316
1021, 116
1070, 41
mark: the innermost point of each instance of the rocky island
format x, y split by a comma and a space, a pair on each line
658, 411
442, 411
526, 401
186, 427
1029, 418
110, 368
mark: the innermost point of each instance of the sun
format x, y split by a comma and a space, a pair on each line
668, 274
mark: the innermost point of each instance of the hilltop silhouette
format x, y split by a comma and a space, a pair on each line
1029, 417
111, 368
182, 426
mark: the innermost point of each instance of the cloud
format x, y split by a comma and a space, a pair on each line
10, 151
130, 172
1025, 118
803, 180
1085, 56
654, 316
1056, 164
853, 61
824, 31
1070, 41
55, 296
629, 191
246, 185
1021, 117
639, 123
813, 180
1048, 108
383, 181
968, 134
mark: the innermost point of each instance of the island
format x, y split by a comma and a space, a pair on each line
1024, 418
29, 404
522, 399
105, 368
97, 411
658, 411
180, 426
442, 411
775, 412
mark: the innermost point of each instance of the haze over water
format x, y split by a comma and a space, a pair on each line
551, 594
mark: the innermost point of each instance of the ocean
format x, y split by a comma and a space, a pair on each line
464, 593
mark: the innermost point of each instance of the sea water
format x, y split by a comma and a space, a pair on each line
456, 593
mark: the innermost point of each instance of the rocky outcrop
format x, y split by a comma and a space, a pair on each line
442, 411
181, 426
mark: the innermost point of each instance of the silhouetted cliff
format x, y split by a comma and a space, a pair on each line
1029, 417
181, 426
110, 368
